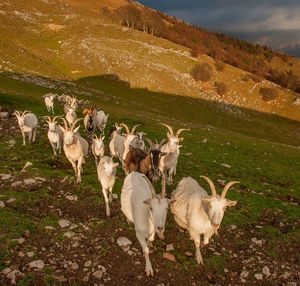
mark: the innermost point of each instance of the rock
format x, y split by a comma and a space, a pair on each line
60, 278
64, 223
30, 254
187, 253
98, 274
40, 179
170, 247
20, 240
115, 196
29, 182
5, 271
21, 254
87, 277
11, 200
233, 227
4, 114
2, 205
124, 242
11, 142
16, 184
69, 234
74, 266
226, 165
88, 263
49, 227
130, 253
72, 197
27, 164
5, 177
266, 271
258, 276
13, 275
37, 264
244, 274
257, 242
169, 256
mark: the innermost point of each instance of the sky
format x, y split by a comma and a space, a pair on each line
234, 15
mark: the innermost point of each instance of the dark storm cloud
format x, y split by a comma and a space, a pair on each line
234, 15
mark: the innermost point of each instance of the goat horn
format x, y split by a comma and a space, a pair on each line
65, 123
55, 118
149, 142
180, 130
24, 112
211, 184
75, 122
95, 136
161, 143
227, 187
169, 128
17, 113
48, 118
126, 127
134, 127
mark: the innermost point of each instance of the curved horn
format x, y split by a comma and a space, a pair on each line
211, 184
65, 123
75, 122
126, 127
227, 187
169, 128
149, 142
134, 127
48, 118
95, 136
17, 113
24, 112
161, 143
180, 130
55, 118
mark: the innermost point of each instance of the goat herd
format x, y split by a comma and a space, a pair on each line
191, 205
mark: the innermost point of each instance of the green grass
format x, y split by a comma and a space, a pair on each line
260, 148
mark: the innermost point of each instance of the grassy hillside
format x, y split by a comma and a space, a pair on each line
70, 40
260, 151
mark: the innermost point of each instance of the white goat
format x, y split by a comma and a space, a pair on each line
101, 119
49, 102
55, 134
71, 115
197, 212
28, 123
116, 144
129, 138
98, 147
106, 171
146, 210
168, 163
75, 147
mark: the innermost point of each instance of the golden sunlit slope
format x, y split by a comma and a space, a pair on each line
69, 40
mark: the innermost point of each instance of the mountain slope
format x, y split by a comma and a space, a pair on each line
69, 40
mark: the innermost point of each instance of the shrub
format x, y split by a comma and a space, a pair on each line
221, 87
268, 93
202, 72
248, 76
219, 66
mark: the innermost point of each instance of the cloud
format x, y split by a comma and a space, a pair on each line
234, 15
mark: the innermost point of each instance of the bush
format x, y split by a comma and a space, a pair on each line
248, 76
221, 87
268, 93
202, 72
219, 66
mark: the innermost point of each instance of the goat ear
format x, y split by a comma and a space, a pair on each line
181, 139
163, 153
230, 203
170, 201
147, 202
116, 164
76, 129
206, 199
103, 137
